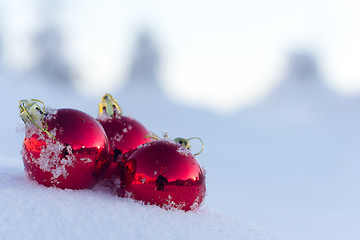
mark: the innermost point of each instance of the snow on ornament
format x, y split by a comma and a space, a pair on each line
164, 173
124, 133
63, 148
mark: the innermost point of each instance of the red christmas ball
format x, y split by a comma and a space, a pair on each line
164, 173
125, 134
63, 148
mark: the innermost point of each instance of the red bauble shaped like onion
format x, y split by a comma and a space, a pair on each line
75, 158
164, 173
125, 134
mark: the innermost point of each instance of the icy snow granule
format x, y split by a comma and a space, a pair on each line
117, 137
105, 117
183, 151
51, 158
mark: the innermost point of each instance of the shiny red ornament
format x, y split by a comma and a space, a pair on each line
125, 134
164, 173
63, 148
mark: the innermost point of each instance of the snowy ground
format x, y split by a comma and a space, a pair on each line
289, 165
31, 211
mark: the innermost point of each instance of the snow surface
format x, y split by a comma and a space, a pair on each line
31, 211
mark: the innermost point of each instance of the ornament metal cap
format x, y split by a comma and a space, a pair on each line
182, 141
30, 111
110, 105
186, 143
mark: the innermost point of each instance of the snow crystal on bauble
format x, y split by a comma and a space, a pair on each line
183, 151
55, 157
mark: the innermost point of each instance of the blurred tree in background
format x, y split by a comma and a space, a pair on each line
48, 45
144, 68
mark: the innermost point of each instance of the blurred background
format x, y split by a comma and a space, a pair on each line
272, 87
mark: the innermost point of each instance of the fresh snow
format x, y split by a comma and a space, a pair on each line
31, 211
183, 151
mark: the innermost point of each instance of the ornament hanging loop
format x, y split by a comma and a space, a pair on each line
202, 144
186, 143
31, 111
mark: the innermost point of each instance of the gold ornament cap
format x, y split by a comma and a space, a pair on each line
184, 142
109, 106
30, 111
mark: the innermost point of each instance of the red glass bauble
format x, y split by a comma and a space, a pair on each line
72, 152
164, 173
125, 134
